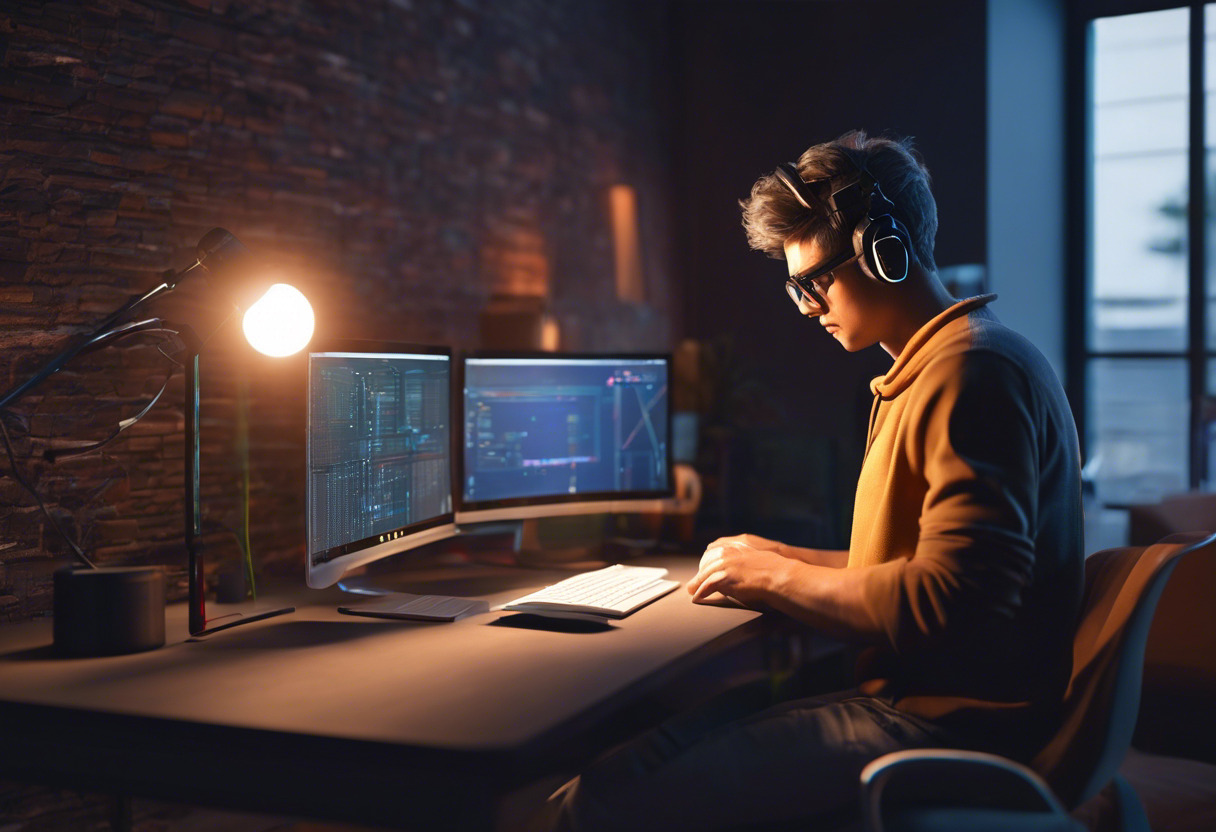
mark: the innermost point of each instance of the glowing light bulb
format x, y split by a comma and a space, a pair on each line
280, 322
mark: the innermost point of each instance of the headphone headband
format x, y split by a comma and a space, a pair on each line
881, 241
799, 187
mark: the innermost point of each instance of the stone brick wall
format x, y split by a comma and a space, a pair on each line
402, 160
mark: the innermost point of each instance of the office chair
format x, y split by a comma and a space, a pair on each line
944, 790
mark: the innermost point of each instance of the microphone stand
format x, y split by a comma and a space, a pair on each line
95, 338
111, 328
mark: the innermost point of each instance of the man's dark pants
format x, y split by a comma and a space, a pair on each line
798, 762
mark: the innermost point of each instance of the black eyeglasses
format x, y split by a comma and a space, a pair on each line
810, 287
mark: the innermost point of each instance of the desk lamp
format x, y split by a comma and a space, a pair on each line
278, 322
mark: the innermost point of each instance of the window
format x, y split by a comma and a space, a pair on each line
1146, 358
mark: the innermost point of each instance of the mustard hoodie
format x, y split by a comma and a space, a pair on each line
968, 522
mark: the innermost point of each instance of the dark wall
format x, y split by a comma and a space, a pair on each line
402, 161
405, 164
761, 81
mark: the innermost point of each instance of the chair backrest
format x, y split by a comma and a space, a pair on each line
1149, 522
1121, 591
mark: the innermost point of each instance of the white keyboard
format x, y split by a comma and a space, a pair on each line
614, 591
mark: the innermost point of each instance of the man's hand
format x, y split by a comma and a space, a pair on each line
835, 558
829, 599
755, 541
739, 572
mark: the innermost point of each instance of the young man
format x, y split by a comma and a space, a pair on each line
963, 576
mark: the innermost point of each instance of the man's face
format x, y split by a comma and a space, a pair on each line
854, 303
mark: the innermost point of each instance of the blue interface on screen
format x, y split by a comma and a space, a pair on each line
548, 427
379, 452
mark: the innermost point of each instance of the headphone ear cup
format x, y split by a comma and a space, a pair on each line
884, 248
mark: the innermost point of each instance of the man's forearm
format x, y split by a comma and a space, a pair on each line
830, 558
829, 599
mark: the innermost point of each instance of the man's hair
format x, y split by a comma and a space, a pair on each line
772, 215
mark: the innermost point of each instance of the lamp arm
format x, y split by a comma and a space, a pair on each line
95, 338
133, 328
109, 330
178, 334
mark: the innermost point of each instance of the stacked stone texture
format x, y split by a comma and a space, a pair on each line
399, 159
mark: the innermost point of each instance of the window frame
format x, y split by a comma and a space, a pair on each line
1079, 132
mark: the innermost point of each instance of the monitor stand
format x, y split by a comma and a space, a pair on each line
479, 561
568, 543
485, 559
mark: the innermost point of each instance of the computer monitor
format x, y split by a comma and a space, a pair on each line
379, 443
551, 434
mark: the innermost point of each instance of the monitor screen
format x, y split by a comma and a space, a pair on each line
379, 453
563, 434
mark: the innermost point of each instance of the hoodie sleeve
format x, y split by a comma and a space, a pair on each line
972, 436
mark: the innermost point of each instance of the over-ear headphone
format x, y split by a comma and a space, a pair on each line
881, 241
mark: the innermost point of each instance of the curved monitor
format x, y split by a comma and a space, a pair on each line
379, 475
551, 434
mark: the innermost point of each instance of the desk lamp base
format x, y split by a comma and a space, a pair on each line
245, 619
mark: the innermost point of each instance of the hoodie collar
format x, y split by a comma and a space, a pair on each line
914, 356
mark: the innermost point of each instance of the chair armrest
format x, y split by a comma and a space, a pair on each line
901, 789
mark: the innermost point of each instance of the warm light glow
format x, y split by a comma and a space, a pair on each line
281, 321
623, 204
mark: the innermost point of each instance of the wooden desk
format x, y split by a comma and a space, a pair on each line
317, 714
